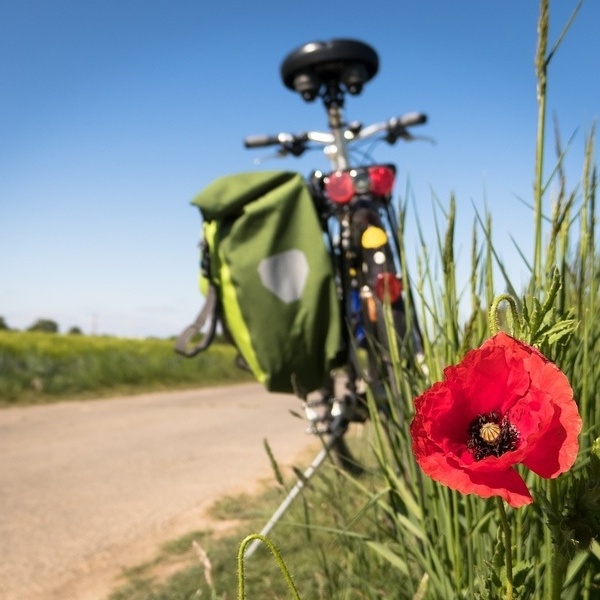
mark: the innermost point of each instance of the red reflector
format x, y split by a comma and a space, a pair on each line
388, 287
339, 187
382, 180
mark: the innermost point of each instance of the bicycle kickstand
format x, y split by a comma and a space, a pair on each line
293, 493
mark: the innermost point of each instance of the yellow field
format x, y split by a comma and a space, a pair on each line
41, 367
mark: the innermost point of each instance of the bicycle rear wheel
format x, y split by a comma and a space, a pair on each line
383, 309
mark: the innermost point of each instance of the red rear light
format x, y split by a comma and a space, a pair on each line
339, 187
388, 287
382, 180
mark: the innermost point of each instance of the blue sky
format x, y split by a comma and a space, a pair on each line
115, 113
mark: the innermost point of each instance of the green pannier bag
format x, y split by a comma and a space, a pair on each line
268, 280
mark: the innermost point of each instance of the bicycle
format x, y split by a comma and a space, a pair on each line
354, 203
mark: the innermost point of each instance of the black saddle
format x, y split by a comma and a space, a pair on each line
336, 63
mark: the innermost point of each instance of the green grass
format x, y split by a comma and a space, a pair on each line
44, 367
452, 545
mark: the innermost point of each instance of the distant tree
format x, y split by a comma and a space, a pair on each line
75, 331
47, 325
3, 324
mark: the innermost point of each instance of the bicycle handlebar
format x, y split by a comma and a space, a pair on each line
260, 141
414, 118
395, 128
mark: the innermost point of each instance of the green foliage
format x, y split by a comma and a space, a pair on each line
447, 545
38, 367
45, 325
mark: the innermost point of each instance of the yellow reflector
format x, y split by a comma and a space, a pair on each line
373, 237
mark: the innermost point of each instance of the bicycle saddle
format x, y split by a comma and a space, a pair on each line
339, 61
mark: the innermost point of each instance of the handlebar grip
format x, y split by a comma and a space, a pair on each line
260, 141
414, 118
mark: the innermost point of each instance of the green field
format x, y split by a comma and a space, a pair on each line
38, 367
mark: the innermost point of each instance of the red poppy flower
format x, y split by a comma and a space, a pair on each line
504, 404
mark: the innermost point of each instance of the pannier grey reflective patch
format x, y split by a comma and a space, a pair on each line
285, 274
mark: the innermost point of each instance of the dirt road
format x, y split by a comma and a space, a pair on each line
88, 488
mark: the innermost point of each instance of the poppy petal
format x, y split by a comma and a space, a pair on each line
507, 483
554, 450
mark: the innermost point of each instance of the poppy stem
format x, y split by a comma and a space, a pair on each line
560, 562
507, 547
559, 558
276, 555
494, 322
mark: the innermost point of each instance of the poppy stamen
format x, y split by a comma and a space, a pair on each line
491, 434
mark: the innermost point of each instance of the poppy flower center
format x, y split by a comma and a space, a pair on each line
491, 434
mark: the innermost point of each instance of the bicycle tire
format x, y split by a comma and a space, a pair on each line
382, 332
377, 371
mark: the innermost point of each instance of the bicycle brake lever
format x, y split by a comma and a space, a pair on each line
294, 147
422, 138
281, 153
393, 136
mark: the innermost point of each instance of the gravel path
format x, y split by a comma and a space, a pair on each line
89, 488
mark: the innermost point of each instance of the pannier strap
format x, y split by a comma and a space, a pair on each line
207, 314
